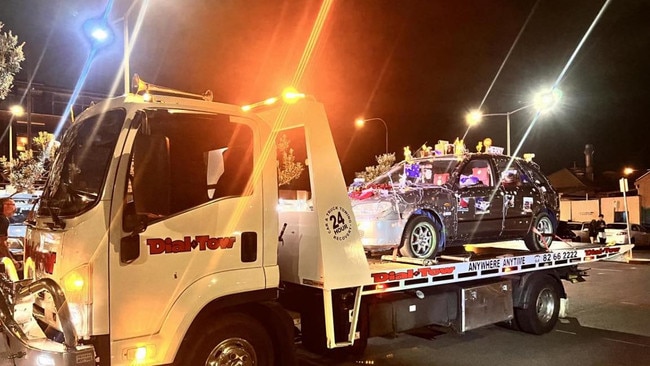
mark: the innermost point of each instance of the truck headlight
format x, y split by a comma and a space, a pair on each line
76, 286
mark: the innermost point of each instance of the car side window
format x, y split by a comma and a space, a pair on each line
511, 174
476, 172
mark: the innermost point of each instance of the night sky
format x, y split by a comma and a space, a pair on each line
419, 65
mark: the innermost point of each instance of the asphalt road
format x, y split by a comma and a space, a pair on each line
607, 323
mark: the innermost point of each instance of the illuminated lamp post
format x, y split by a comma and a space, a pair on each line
100, 33
624, 188
127, 40
542, 102
16, 111
360, 122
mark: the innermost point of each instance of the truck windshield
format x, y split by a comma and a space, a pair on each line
78, 172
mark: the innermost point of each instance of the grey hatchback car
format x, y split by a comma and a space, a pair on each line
428, 204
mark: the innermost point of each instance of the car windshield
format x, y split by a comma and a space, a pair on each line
429, 171
77, 175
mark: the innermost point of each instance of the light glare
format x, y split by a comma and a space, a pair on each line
141, 353
99, 34
544, 101
17, 110
474, 117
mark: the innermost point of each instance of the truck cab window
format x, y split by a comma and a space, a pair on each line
294, 185
180, 161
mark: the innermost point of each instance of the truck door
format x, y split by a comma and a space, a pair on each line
190, 217
480, 201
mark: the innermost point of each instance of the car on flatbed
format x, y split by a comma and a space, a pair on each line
427, 204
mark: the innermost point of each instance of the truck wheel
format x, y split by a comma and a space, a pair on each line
421, 238
542, 223
232, 339
541, 314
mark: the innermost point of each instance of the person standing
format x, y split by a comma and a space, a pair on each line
600, 224
593, 231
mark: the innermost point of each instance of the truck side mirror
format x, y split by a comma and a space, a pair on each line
134, 223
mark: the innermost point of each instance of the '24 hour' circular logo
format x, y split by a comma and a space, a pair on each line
338, 223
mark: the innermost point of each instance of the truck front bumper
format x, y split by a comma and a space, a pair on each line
23, 342
42, 352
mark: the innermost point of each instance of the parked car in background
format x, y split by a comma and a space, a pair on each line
617, 233
581, 229
564, 232
425, 205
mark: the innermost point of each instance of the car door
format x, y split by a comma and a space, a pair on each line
480, 201
519, 196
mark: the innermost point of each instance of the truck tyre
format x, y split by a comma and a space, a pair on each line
232, 339
542, 223
543, 307
421, 238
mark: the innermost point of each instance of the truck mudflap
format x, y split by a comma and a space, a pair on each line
23, 341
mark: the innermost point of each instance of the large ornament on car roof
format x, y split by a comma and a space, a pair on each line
408, 157
459, 147
487, 142
425, 151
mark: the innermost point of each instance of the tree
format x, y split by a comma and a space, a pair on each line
384, 163
288, 168
31, 166
11, 55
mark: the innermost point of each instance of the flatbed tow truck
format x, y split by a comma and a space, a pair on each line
500, 282
170, 243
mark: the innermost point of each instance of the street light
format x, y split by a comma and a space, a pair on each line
624, 188
16, 111
127, 40
100, 33
541, 102
359, 122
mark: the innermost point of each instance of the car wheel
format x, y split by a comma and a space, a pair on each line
542, 223
421, 238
